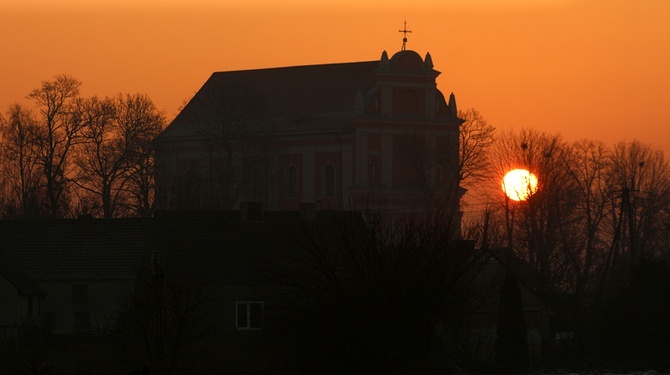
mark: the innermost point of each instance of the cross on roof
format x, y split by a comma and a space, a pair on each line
404, 31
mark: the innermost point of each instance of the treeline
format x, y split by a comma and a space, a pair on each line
71, 155
595, 239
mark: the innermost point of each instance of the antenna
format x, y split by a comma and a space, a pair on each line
404, 31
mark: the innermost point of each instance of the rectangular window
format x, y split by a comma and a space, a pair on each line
249, 315
80, 293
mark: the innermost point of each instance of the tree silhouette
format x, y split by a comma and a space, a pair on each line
369, 295
114, 159
476, 136
20, 173
233, 122
163, 324
59, 128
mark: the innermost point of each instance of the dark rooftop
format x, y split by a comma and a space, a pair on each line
292, 93
75, 249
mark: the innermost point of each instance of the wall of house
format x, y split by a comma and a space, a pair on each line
9, 308
29, 309
241, 349
68, 309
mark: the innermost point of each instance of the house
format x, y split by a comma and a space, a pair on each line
344, 136
220, 265
69, 273
248, 267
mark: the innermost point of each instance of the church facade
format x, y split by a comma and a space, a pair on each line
340, 136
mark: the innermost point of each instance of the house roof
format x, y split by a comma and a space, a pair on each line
220, 247
74, 249
19, 279
292, 94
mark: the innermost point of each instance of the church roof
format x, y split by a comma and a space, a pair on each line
292, 94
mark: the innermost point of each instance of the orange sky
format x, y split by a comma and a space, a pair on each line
596, 69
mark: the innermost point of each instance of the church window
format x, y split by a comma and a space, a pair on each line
292, 182
256, 188
329, 180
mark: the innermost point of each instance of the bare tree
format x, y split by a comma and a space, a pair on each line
584, 240
99, 157
439, 169
114, 159
641, 176
369, 295
630, 319
90, 153
588, 165
142, 122
163, 324
59, 130
20, 171
476, 136
235, 126
536, 226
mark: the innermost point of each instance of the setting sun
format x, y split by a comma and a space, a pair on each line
519, 184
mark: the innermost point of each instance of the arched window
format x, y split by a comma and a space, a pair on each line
291, 182
329, 180
256, 185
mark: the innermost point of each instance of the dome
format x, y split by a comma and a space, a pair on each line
407, 60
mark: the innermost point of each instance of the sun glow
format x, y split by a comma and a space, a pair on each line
519, 184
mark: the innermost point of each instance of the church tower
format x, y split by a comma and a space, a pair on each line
407, 138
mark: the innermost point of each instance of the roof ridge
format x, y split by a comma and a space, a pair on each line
298, 66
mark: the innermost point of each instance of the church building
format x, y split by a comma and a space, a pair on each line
372, 134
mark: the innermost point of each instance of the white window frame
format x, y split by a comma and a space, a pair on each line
248, 326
